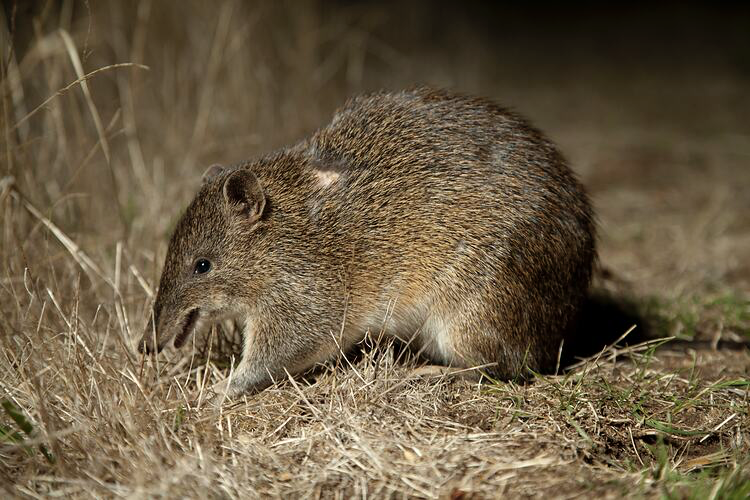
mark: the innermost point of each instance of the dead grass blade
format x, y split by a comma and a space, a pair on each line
80, 80
83, 260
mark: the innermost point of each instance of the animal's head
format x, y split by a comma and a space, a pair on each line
209, 268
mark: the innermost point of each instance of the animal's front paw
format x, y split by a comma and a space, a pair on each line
226, 391
219, 393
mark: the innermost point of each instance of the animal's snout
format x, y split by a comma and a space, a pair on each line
155, 337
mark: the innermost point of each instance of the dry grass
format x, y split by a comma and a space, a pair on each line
107, 119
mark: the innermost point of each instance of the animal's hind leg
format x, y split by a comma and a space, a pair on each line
480, 339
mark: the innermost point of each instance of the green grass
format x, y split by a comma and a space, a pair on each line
686, 317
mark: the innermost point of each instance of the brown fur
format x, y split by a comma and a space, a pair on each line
442, 219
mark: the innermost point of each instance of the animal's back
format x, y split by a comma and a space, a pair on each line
463, 223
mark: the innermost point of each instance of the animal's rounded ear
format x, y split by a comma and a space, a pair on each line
244, 194
213, 171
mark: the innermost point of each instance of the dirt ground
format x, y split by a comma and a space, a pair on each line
651, 107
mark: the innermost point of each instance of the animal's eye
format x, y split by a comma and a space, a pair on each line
202, 266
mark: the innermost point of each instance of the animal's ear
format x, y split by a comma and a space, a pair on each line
243, 193
212, 172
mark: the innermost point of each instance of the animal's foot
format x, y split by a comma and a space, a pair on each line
219, 393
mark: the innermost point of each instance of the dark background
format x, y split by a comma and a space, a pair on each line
650, 102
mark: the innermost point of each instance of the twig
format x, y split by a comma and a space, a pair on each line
730, 417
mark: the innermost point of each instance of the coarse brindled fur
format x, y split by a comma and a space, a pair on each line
441, 219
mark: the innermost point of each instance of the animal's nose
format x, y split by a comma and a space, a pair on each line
148, 343
144, 346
